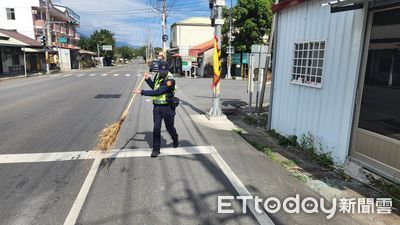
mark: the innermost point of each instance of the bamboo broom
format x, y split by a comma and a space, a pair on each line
108, 136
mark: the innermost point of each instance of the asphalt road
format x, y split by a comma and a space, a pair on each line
65, 113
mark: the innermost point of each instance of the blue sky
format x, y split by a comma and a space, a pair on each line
131, 20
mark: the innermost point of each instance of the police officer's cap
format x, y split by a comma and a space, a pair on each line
163, 67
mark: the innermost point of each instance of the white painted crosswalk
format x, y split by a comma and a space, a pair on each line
92, 75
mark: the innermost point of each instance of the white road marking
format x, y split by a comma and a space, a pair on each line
55, 75
97, 155
81, 155
138, 75
104, 74
82, 74
67, 75
127, 75
80, 199
262, 218
116, 75
91, 75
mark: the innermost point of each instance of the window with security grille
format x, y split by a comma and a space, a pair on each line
10, 13
308, 63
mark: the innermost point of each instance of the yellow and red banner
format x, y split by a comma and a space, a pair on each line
216, 63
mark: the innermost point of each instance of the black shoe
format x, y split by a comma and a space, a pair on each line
155, 153
175, 144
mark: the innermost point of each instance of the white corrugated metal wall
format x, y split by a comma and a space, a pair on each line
326, 112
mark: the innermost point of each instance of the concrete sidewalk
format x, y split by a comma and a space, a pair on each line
261, 176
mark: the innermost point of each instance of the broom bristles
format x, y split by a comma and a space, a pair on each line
108, 136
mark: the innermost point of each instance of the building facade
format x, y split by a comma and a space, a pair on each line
28, 17
185, 35
19, 54
337, 79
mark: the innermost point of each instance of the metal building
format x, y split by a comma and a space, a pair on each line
337, 79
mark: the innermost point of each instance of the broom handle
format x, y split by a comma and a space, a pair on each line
133, 97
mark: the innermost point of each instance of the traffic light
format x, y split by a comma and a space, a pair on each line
213, 12
211, 4
43, 40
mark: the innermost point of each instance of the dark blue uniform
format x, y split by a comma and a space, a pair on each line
162, 111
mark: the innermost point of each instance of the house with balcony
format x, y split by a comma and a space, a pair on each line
28, 17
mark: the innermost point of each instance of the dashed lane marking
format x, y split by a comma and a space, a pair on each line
116, 75
104, 74
55, 75
127, 75
91, 75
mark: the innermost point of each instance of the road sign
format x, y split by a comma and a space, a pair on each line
230, 50
186, 65
236, 58
107, 47
165, 37
62, 40
189, 58
245, 58
219, 21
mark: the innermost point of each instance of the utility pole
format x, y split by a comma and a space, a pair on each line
164, 29
48, 37
230, 49
147, 47
217, 5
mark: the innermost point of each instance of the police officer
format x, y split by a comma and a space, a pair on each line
164, 89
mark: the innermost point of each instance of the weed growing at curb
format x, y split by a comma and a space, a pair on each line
307, 143
268, 151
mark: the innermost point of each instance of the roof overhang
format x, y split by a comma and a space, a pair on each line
345, 5
286, 4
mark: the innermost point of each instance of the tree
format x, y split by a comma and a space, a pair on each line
84, 43
141, 51
251, 21
102, 37
125, 52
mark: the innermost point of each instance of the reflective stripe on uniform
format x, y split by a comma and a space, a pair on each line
161, 99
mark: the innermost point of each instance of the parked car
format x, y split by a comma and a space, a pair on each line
154, 65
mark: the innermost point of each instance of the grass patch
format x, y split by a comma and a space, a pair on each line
268, 151
307, 143
301, 177
238, 130
288, 163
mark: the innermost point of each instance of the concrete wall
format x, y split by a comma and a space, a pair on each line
325, 112
64, 58
23, 22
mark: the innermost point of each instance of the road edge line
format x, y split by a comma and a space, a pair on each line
241, 189
81, 197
